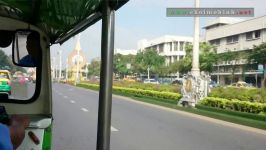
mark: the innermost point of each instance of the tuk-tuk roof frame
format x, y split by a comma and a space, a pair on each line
59, 19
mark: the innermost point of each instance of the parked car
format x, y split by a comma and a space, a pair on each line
150, 81
241, 84
213, 84
177, 81
5, 82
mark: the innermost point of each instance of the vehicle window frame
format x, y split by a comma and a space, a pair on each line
38, 67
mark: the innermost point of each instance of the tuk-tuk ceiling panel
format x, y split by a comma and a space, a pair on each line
55, 17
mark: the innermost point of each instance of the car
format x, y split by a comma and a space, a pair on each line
150, 81
241, 84
129, 79
213, 84
5, 82
177, 82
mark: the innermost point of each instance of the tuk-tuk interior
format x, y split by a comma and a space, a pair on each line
56, 21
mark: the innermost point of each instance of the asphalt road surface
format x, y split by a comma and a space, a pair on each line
23, 91
139, 127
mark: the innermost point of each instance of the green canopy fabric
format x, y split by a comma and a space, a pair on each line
56, 17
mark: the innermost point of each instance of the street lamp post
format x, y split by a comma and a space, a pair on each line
66, 69
77, 61
60, 64
53, 68
195, 62
87, 71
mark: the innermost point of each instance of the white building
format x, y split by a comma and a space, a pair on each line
171, 47
239, 36
126, 52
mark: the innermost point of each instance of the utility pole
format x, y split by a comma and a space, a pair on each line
60, 64
195, 61
56, 73
66, 69
77, 61
87, 71
53, 68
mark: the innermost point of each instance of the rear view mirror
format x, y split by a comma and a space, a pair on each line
27, 49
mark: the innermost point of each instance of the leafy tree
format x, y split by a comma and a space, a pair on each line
258, 56
4, 60
94, 68
150, 59
231, 58
7, 64
163, 70
208, 58
121, 62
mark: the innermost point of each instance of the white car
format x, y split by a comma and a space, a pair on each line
150, 81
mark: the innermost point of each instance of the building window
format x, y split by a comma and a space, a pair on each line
249, 35
215, 42
181, 46
253, 35
161, 46
232, 39
175, 58
181, 57
175, 46
257, 34
171, 47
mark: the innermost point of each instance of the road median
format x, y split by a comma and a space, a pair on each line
240, 118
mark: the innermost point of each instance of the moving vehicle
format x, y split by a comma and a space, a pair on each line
5, 82
50, 24
150, 81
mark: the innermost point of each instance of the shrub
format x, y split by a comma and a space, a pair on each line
137, 85
174, 97
236, 105
242, 94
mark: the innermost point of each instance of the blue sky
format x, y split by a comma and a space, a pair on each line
146, 19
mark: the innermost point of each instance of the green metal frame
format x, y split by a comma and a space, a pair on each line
57, 18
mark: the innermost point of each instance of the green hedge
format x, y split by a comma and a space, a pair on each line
235, 105
138, 85
233, 113
174, 97
242, 94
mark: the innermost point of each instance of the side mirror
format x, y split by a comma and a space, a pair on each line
26, 48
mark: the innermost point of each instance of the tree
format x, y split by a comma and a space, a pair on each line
94, 68
150, 59
231, 59
208, 58
258, 56
123, 64
7, 64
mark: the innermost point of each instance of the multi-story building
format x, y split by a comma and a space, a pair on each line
236, 36
126, 52
171, 47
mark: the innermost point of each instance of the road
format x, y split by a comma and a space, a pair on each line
22, 91
139, 127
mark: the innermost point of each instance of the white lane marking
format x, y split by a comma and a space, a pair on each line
113, 129
65, 97
73, 102
84, 109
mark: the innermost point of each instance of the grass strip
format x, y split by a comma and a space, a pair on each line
233, 113
204, 112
